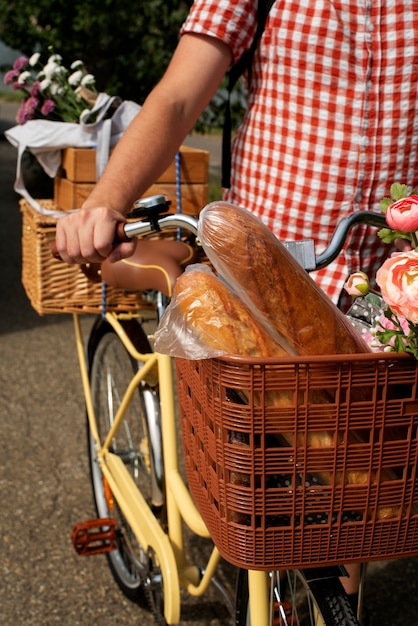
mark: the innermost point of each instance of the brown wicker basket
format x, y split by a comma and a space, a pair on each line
55, 287
270, 503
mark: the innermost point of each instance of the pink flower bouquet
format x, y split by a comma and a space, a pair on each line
395, 327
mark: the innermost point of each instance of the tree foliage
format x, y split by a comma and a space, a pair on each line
126, 45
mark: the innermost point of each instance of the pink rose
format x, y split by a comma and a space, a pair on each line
398, 281
403, 214
357, 284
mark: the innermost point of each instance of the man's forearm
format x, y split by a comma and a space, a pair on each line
144, 152
169, 113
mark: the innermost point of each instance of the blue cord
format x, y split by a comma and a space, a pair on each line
178, 188
104, 299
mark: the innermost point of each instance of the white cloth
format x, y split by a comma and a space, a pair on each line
45, 139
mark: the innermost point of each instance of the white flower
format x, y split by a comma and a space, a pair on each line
76, 64
51, 69
44, 84
88, 79
75, 78
34, 59
23, 77
55, 58
53, 88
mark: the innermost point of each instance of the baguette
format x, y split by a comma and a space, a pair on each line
273, 284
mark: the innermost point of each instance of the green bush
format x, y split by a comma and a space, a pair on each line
125, 45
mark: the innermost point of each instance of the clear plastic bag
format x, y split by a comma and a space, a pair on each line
206, 319
272, 284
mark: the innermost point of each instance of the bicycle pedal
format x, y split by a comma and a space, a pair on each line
94, 536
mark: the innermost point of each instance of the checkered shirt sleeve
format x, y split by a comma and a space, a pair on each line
232, 21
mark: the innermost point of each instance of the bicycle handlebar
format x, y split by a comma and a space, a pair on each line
339, 236
126, 231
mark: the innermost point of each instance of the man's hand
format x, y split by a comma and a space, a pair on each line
88, 236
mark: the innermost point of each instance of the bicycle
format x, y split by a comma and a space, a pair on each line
143, 502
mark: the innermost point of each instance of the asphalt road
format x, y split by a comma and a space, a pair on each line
44, 484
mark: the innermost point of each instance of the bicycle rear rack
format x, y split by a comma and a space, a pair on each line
94, 536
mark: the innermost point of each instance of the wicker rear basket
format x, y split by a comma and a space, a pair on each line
55, 287
271, 501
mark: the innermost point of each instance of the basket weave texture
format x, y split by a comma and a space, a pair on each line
270, 500
55, 287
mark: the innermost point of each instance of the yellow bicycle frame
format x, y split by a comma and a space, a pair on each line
168, 548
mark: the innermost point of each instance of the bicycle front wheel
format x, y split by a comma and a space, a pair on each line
299, 598
138, 443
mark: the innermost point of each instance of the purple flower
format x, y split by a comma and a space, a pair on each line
20, 63
47, 107
31, 105
27, 110
35, 89
10, 77
21, 116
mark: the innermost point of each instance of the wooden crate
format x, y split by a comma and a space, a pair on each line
78, 176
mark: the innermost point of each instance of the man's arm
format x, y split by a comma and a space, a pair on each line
146, 149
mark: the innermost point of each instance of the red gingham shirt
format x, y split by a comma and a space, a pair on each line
332, 116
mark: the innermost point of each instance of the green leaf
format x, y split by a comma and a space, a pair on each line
384, 203
398, 191
387, 235
385, 336
399, 344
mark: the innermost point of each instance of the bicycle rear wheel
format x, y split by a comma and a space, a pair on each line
299, 598
138, 443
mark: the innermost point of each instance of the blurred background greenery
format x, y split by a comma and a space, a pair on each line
125, 45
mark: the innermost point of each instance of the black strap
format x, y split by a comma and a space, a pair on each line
245, 62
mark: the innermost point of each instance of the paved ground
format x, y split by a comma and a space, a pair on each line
44, 482
44, 485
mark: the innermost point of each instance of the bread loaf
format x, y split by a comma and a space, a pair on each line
219, 321
272, 283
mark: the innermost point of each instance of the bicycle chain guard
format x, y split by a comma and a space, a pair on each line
94, 536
